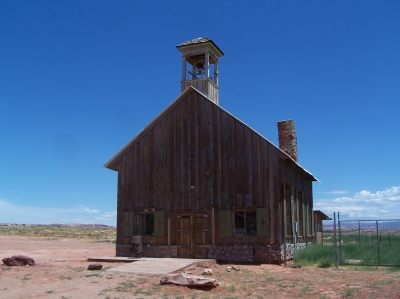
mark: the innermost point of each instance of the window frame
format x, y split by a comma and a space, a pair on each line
246, 227
141, 225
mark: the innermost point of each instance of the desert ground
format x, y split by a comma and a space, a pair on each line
61, 272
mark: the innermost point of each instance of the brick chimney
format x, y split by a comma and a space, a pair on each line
287, 138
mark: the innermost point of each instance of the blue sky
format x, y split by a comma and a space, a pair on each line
79, 79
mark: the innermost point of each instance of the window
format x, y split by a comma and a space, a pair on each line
145, 224
245, 223
300, 220
289, 228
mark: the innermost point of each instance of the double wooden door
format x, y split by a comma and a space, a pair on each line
192, 234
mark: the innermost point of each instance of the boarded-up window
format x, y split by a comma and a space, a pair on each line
289, 227
225, 223
128, 224
263, 229
159, 223
300, 211
309, 215
293, 206
306, 216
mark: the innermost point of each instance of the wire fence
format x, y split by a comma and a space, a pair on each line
365, 242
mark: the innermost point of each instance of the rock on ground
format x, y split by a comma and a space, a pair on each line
10, 262
189, 280
95, 267
18, 260
24, 259
207, 271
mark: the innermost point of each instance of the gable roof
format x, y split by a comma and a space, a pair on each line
110, 164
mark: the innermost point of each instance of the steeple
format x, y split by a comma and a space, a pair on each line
200, 66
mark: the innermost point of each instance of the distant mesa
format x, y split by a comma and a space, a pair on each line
61, 225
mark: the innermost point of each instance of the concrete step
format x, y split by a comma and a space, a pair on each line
161, 265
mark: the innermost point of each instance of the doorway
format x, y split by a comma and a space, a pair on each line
192, 234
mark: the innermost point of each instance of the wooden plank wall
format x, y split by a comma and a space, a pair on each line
206, 85
297, 185
195, 143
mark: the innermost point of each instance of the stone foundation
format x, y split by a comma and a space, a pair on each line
270, 254
291, 249
237, 253
150, 251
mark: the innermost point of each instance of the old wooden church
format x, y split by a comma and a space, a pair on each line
198, 182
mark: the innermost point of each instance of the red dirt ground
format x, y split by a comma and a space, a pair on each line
61, 272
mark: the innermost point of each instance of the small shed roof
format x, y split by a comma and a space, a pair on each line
322, 215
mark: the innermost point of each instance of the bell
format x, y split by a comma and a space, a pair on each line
199, 66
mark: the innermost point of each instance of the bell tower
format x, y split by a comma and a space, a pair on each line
200, 66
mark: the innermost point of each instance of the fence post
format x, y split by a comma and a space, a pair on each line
334, 227
340, 240
377, 242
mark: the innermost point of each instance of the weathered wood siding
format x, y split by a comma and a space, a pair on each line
195, 143
206, 85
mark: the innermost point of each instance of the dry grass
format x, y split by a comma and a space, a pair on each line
102, 234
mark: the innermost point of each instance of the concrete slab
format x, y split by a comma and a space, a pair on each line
161, 265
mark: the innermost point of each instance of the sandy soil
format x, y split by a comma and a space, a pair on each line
61, 272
